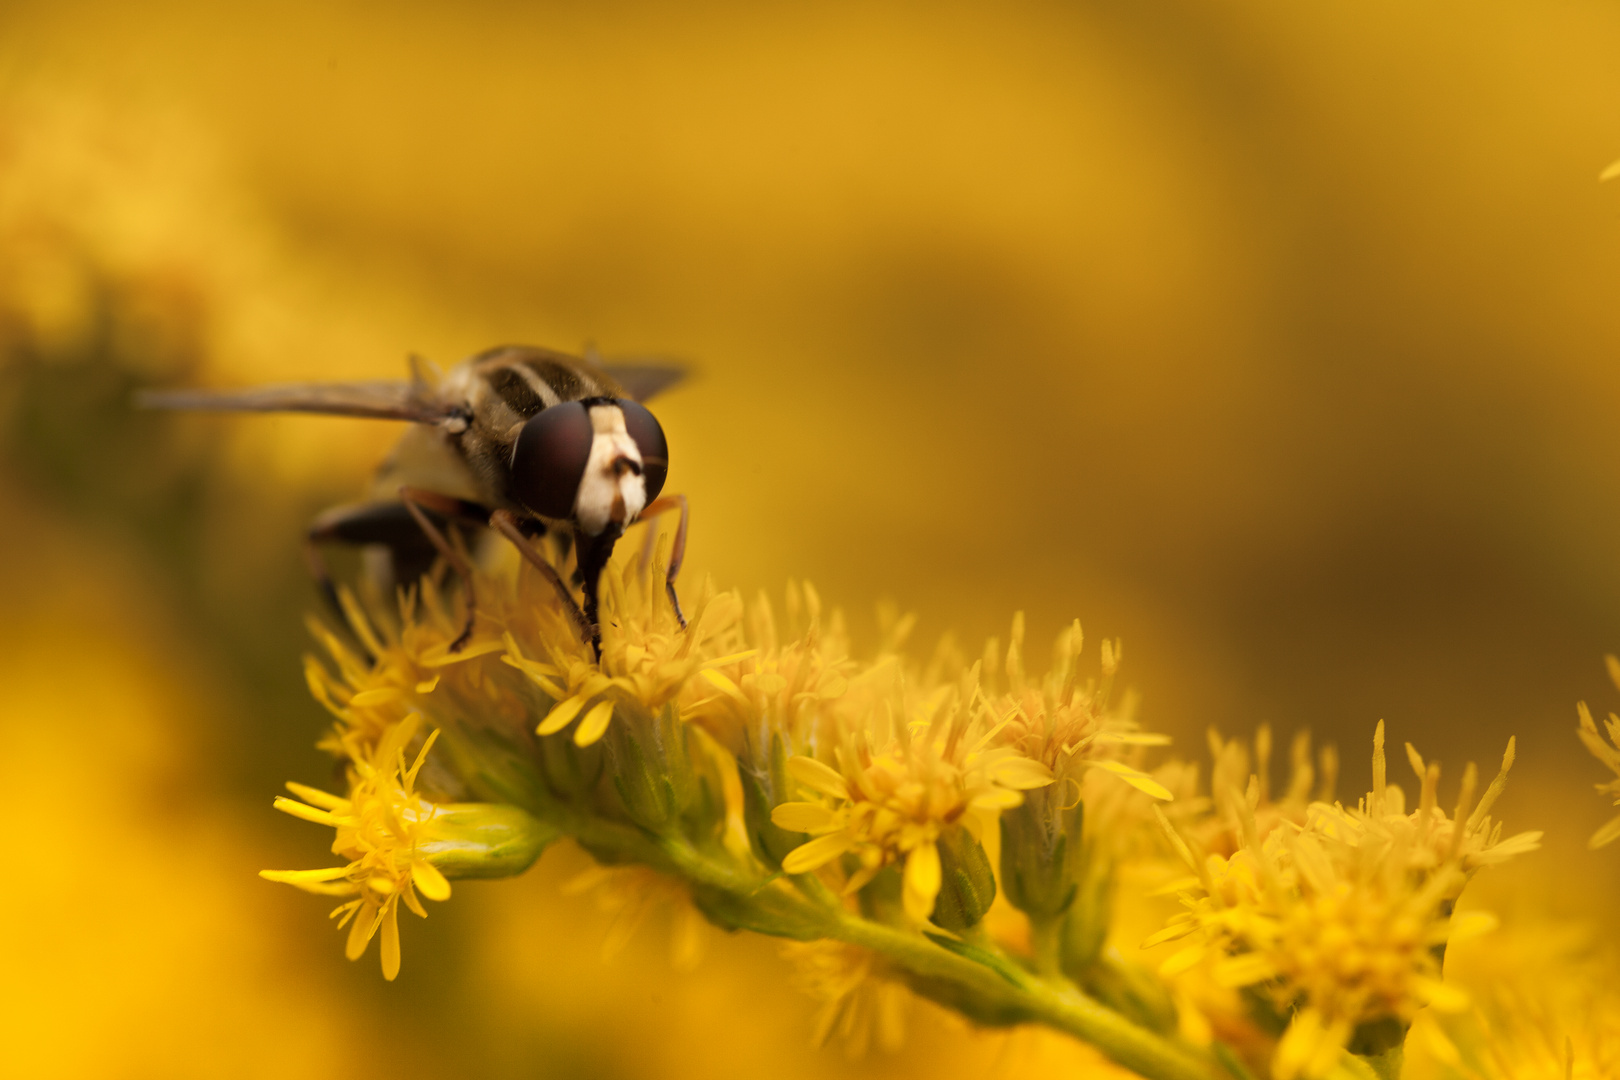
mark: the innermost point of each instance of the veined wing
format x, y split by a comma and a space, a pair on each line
642, 381
381, 399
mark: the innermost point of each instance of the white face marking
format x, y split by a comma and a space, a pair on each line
610, 491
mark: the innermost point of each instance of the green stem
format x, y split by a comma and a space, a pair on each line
1046, 938
1002, 993
1059, 1006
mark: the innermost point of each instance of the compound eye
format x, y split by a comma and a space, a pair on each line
649, 437
549, 459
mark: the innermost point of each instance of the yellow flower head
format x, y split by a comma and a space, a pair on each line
858, 1004
1546, 1006
1061, 720
647, 658
905, 772
771, 682
1341, 917
1231, 775
383, 830
629, 894
1606, 752
405, 666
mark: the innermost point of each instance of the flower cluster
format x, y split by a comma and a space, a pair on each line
1339, 918
893, 795
753, 769
399, 844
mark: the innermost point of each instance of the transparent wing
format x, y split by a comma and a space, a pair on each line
642, 381
381, 399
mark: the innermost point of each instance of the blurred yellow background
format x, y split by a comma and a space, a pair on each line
1280, 340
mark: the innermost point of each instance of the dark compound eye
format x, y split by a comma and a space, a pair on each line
649, 437
549, 459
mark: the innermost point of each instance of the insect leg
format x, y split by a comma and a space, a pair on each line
677, 553
506, 523
592, 554
419, 503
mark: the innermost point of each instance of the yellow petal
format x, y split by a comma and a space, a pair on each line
390, 943
560, 716
818, 852
721, 682
309, 813
921, 882
413, 902
360, 931
994, 798
1298, 1044
1171, 888
1020, 773
1139, 780
1245, 970
380, 696
324, 799
540, 674
1441, 997
429, 880
292, 877
1608, 834
1172, 932
817, 776
595, 724
861, 878
1181, 960
1330, 1050
1132, 738
804, 817
1469, 925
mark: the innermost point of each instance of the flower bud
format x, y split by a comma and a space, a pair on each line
765, 786
569, 771
649, 762
482, 840
1039, 842
967, 884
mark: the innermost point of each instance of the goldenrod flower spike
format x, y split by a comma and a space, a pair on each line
751, 770
890, 804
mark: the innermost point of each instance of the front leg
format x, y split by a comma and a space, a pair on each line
507, 524
677, 553
592, 554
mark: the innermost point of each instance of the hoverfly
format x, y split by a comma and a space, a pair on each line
523, 440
